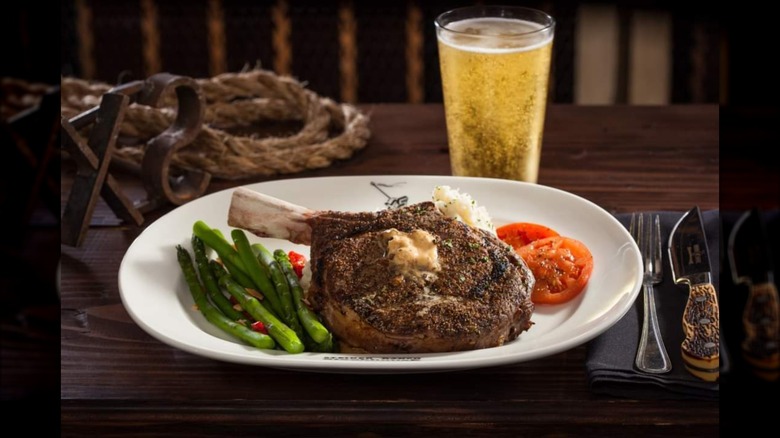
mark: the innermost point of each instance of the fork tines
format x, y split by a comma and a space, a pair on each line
646, 231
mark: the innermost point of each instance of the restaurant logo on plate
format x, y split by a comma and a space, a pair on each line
391, 202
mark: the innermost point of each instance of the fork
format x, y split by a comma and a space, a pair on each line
651, 356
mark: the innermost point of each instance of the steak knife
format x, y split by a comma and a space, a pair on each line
751, 264
701, 319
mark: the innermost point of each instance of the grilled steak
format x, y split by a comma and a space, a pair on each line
409, 280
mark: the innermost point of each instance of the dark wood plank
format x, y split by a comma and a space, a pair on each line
399, 418
116, 378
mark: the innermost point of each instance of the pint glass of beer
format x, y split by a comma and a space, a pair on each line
495, 65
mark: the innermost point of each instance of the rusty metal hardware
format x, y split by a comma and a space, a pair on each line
93, 156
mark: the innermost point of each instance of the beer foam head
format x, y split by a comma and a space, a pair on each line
495, 35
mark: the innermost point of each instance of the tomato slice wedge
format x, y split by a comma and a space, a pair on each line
520, 234
561, 266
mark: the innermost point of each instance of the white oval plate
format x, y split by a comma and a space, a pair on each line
154, 292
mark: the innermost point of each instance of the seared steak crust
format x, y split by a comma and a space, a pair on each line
479, 299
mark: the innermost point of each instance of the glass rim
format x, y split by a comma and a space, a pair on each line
484, 8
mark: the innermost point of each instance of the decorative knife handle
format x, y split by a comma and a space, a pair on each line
701, 325
762, 327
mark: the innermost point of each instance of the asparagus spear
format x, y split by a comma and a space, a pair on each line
281, 285
309, 320
239, 275
280, 332
257, 274
326, 346
211, 313
210, 281
214, 239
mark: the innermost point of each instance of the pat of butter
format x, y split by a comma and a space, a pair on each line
412, 253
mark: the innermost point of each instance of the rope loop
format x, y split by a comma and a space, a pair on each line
238, 102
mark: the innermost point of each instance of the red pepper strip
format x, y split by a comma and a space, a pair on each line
259, 327
298, 261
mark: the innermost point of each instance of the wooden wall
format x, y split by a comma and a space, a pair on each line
634, 52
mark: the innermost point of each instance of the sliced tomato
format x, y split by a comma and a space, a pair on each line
520, 234
561, 266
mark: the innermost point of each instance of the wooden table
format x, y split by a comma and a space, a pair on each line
118, 379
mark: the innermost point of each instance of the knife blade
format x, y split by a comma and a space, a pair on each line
701, 319
751, 264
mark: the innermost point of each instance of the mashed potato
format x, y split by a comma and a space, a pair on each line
306, 275
462, 207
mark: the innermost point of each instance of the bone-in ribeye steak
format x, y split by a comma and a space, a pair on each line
478, 298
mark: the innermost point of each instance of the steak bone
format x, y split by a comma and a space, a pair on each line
266, 216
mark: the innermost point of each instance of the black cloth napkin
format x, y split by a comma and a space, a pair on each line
610, 362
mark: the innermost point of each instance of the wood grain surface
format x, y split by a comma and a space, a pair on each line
117, 379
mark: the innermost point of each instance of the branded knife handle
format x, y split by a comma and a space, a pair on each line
762, 327
701, 325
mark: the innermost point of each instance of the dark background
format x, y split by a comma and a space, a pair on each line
749, 177
741, 79
29, 251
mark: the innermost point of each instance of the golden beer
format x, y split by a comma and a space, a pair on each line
494, 75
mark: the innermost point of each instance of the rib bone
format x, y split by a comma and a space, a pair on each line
266, 216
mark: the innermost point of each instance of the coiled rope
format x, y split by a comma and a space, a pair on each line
237, 101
